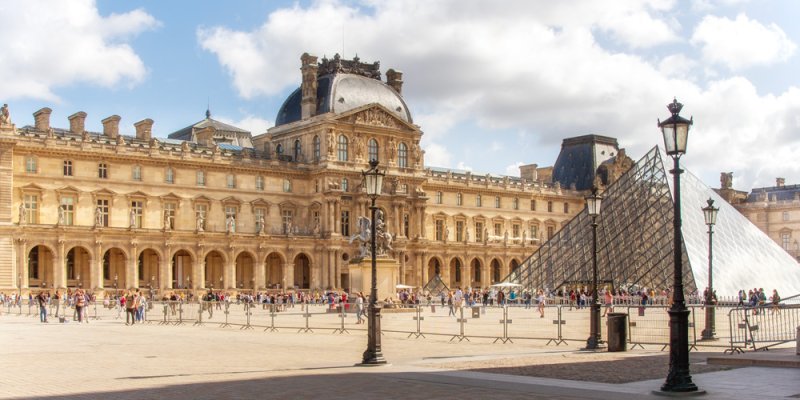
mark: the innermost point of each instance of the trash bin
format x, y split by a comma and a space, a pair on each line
433, 308
617, 332
476, 312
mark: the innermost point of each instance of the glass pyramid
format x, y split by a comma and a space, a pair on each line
634, 242
435, 287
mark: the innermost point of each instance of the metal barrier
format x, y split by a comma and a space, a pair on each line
762, 327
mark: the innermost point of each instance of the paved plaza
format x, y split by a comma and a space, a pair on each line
106, 359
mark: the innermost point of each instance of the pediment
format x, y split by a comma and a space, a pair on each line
260, 203
103, 192
375, 115
287, 204
68, 190
201, 199
171, 197
231, 200
31, 187
137, 193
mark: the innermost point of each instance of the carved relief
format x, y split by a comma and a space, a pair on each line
375, 117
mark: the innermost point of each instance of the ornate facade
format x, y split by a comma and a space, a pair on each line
203, 209
773, 209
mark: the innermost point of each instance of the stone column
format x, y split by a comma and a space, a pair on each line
466, 275
402, 258
421, 226
261, 271
59, 268
132, 272
165, 271
337, 217
337, 274
199, 273
288, 275
96, 268
22, 270
424, 266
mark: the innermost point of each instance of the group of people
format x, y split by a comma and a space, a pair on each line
757, 299
77, 299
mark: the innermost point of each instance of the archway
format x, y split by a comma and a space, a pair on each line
215, 271
495, 271
476, 272
147, 263
182, 270
434, 268
274, 271
302, 272
455, 273
41, 271
114, 260
513, 265
77, 268
245, 271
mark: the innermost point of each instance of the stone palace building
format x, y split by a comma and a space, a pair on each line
211, 205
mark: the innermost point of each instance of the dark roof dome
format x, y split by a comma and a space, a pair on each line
340, 90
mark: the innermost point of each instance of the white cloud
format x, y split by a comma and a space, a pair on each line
513, 169
251, 123
50, 44
437, 155
462, 166
742, 42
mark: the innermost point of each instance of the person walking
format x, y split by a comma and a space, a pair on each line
360, 308
80, 303
541, 302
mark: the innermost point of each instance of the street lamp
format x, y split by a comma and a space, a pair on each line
19, 287
373, 355
675, 130
593, 208
710, 214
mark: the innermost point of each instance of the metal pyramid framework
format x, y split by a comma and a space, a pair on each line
634, 238
635, 242
435, 286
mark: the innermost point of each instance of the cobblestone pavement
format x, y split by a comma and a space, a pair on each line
106, 359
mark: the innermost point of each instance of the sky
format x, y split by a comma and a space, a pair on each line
493, 85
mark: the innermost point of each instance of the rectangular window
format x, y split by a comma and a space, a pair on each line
478, 201
137, 212
261, 217
169, 175
515, 204
259, 182
785, 215
201, 178
405, 225
439, 230
515, 230
201, 213
169, 215
533, 205
549, 206
438, 197
345, 223
498, 228
137, 173
315, 219
230, 212
67, 168
479, 232
230, 181
550, 232
566, 208
287, 186
30, 165
102, 212
496, 201
458, 199
785, 240
534, 231
286, 220
31, 202
102, 171
459, 231
68, 210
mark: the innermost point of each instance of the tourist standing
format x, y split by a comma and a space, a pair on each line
131, 300
80, 303
360, 308
541, 302
41, 300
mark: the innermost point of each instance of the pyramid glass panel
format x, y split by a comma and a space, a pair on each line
435, 287
634, 242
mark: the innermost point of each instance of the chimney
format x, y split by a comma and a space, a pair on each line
395, 80
77, 122
111, 126
780, 182
308, 103
528, 172
144, 129
42, 119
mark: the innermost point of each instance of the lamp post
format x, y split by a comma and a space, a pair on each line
675, 130
373, 355
710, 214
19, 287
593, 208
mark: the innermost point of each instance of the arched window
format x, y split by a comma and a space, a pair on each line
372, 146
402, 155
279, 149
297, 150
316, 148
342, 150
